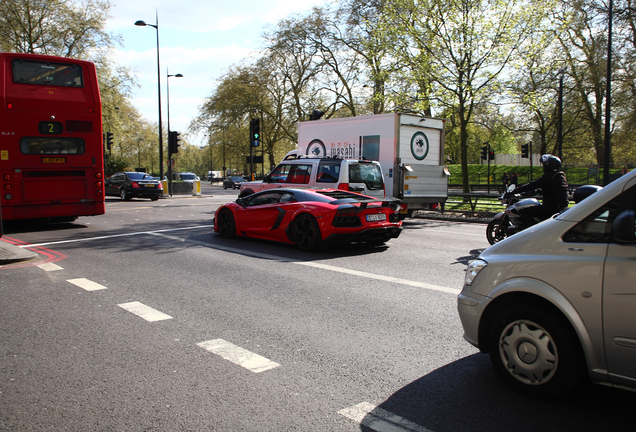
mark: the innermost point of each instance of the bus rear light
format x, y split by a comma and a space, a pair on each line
10, 106
98, 175
90, 110
7, 177
98, 192
343, 186
7, 187
8, 196
135, 185
98, 184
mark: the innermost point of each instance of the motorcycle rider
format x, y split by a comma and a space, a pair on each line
554, 186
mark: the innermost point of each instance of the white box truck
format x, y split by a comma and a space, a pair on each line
410, 150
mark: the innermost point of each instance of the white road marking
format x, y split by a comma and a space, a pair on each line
113, 236
238, 355
380, 420
86, 284
145, 312
50, 267
161, 233
381, 277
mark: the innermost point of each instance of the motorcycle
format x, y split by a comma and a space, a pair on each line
509, 222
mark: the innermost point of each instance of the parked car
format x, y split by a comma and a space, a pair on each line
361, 176
129, 185
310, 218
233, 182
557, 301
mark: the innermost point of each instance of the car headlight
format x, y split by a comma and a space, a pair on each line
473, 269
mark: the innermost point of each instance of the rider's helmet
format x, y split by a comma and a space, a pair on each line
550, 163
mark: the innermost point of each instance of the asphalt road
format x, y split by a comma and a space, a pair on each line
144, 319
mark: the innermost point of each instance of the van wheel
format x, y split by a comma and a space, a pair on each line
307, 233
535, 352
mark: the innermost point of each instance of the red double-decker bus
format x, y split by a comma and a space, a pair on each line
51, 148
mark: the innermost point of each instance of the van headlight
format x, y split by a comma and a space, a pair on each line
473, 269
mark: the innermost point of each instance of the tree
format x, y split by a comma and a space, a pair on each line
465, 44
54, 27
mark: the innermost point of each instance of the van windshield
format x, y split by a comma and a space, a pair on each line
368, 173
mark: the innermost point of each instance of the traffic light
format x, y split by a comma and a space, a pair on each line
525, 151
255, 132
109, 140
484, 152
491, 155
173, 141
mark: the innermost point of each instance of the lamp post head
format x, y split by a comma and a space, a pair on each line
142, 23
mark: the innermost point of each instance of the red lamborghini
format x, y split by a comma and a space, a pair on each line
310, 218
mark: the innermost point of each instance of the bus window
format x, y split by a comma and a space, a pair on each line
47, 73
58, 145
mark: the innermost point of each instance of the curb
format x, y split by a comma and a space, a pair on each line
10, 253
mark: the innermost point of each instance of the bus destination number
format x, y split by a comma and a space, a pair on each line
54, 160
50, 128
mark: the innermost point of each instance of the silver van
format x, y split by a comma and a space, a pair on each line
556, 303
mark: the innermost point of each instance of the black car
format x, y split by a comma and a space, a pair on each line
233, 182
129, 185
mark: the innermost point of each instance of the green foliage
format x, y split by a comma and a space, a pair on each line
115, 164
63, 28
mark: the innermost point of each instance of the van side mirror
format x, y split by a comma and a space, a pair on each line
624, 228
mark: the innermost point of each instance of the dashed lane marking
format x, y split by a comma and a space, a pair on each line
238, 355
86, 284
50, 267
145, 312
379, 419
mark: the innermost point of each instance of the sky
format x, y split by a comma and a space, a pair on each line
200, 39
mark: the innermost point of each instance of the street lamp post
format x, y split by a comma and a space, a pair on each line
156, 27
139, 152
168, 106
168, 91
560, 114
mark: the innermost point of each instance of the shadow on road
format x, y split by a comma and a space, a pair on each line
468, 396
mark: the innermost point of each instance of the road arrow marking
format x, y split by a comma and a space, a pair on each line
380, 420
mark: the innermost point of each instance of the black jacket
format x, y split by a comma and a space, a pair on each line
554, 186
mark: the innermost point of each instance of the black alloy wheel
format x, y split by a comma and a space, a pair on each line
226, 224
307, 233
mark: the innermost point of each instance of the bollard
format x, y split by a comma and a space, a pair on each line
196, 188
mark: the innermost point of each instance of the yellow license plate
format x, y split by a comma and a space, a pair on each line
54, 160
